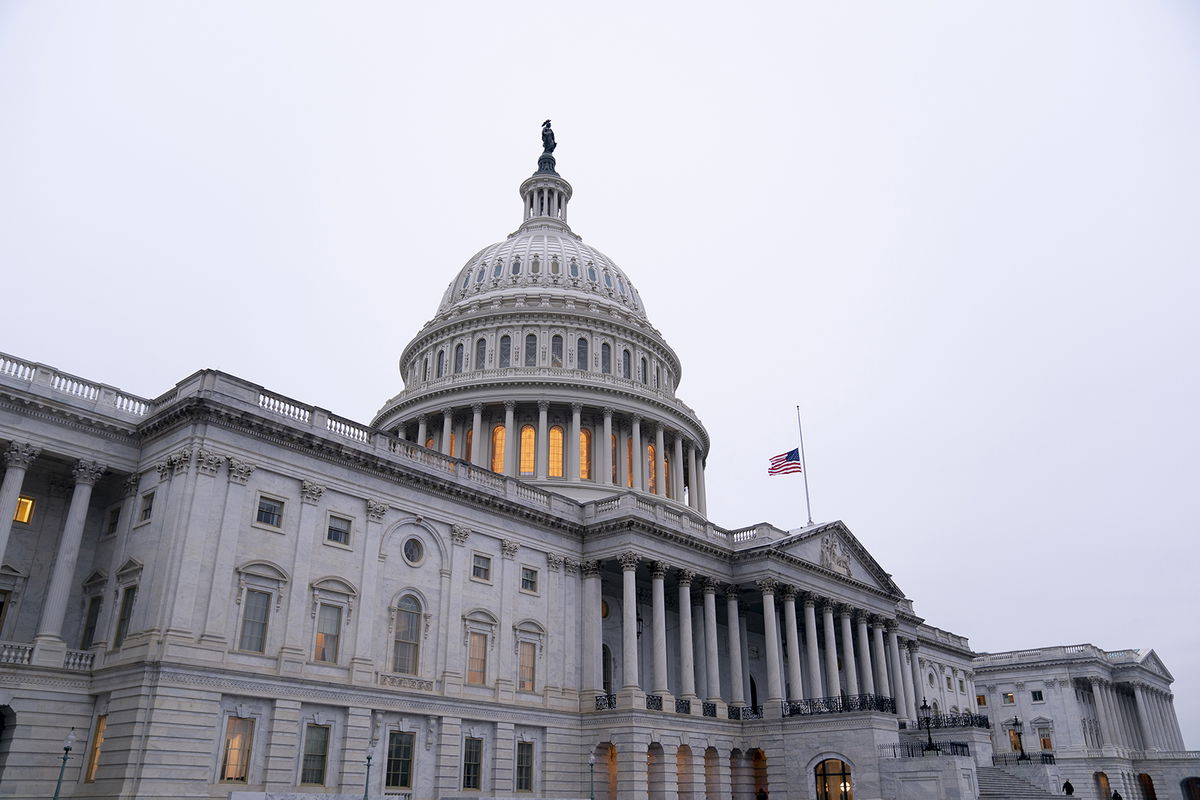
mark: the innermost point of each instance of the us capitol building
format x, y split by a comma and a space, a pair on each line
505, 585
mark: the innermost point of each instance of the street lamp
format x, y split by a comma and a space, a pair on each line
68, 743
1019, 728
592, 773
367, 782
928, 726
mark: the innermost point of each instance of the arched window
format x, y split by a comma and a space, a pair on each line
554, 267
651, 476
667, 478
556, 452
581, 354
425, 370
656, 377
470, 437
535, 266
585, 454
626, 362
605, 359
643, 375
528, 450
615, 455
505, 351
591, 273
441, 363
458, 358
556, 350
516, 266
531, 350
498, 448
499, 268
629, 463
480, 353
406, 652
574, 268
833, 780
466, 279
607, 279
479, 275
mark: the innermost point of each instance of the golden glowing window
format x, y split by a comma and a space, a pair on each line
24, 509
651, 475
528, 449
585, 455
629, 463
527, 659
235, 760
470, 443
498, 448
453, 444
556, 452
667, 475
477, 659
93, 761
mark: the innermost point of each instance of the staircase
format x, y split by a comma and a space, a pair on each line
998, 784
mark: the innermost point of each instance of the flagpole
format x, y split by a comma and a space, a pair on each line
803, 466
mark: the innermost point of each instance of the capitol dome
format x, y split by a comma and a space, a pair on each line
541, 364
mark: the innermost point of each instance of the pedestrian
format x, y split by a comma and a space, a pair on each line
1116, 795
1068, 789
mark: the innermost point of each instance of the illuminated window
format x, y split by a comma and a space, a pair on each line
629, 463
407, 644
626, 364
481, 567
147, 507
235, 758
505, 351
93, 759
1045, 739
556, 351
472, 763
585, 454
581, 354
470, 443
981, 700
1007, 698
529, 579
316, 755
477, 659
525, 670
606, 359
480, 354
556, 452
124, 615
1014, 741
651, 475
531, 350
667, 475
399, 760
88, 637
524, 766
459, 356
338, 530
528, 447
270, 512
24, 509
453, 443
833, 780
498, 448
256, 609
329, 628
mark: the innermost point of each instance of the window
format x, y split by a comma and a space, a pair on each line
235, 755
1045, 739
480, 353
316, 754
111, 520
625, 364
124, 614
524, 766
1014, 741
949, 684
477, 658
499, 268
472, 763
453, 443
470, 444
643, 375
962, 686
406, 653
833, 780
88, 637
481, 567
527, 658
531, 350
5, 599
667, 475
591, 273
459, 355
24, 509
441, 363
270, 512
93, 758
425, 370
651, 472
585, 454
629, 463
1007, 698
574, 268
414, 551
581, 354
1037, 696
556, 351
338, 530
505, 351
556, 452
498, 448
256, 608
529, 579
147, 507
480, 275
606, 359
981, 700
329, 627
516, 266
528, 449
535, 266
399, 760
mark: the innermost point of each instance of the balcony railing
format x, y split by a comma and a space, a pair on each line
923, 750
840, 705
962, 720
15, 653
745, 712
683, 706
1021, 759
605, 701
654, 702
708, 709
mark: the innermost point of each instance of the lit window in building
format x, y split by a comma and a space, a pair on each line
24, 509
93, 760
833, 780
585, 454
235, 757
527, 659
329, 628
528, 449
651, 475
556, 452
498, 448
477, 659
407, 645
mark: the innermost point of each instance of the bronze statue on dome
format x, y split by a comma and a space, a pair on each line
548, 143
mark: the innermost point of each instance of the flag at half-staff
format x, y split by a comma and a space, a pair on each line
784, 463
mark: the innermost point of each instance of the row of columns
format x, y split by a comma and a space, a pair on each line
1155, 728
686, 477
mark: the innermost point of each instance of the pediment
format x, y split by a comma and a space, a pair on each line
11, 571
97, 578
833, 548
1150, 660
131, 567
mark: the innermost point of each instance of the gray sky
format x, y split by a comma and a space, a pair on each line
962, 236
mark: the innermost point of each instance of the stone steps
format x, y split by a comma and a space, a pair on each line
998, 784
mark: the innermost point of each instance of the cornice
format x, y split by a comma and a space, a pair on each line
32, 406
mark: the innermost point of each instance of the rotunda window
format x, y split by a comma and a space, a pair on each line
516, 266
531, 346
581, 354
479, 275
556, 351
441, 363
591, 273
505, 351
425, 370
555, 269
626, 362
499, 268
498, 448
466, 279
556, 452
535, 266
621, 286
480, 353
528, 453
605, 359
651, 475
585, 454
458, 358
614, 451
574, 269
470, 442
643, 375
608, 279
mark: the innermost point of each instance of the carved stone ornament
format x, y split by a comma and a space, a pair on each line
510, 548
629, 560
731, 591
88, 472
21, 455
685, 576
571, 566
459, 534
591, 569
241, 711
376, 510
833, 556
554, 562
711, 585
239, 471
180, 461
208, 462
129, 486
311, 492
405, 682
659, 570
768, 585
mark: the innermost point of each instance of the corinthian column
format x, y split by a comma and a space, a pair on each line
629, 638
810, 647
833, 686
478, 451
573, 454
864, 654
881, 675
848, 652
897, 672
542, 451
711, 664
737, 694
771, 634
677, 469
639, 455
660, 461
658, 619
795, 681
687, 672
606, 451
512, 440
54, 609
17, 460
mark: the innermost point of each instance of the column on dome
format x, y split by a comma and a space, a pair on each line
573, 453
677, 469
512, 440
660, 462
848, 665
712, 664
882, 685
658, 622
833, 686
606, 450
737, 695
815, 689
593, 675
54, 606
701, 501
17, 460
795, 678
771, 634
542, 450
639, 454
897, 684
623, 478
478, 450
629, 638
687, 672
447, 431
422, 430
692, 494
864, 654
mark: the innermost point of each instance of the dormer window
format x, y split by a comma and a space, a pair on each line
574, 269
498, 269
591, 273
516, 266
535, 266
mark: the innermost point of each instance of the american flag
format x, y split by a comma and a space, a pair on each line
784, 463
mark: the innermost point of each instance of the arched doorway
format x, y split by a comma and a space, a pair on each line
834, 781
712, 773
685, 776
656, 772
740, 779
604, 771
1191, 788
1147, 785
8, 727
758, 766
1102, 785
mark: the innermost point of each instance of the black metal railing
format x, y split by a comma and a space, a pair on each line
604, 701
745, 712
708, 709
840, 705
922, 750
654, 702
1021, 759
683, 706
962, 720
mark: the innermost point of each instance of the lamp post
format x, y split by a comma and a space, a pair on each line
1019, 728
68, 743
367, 782
928, 726
592, 774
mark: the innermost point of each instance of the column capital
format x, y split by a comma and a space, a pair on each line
731, 592
767, 585
658, 569
591, 569
685, 576
571, 566
629, 560
129, 486
845, 610
607, 411
828, 606
809, 601
311, 492
477, 408
543, 405
447, 412
459, 534
510, 405
634, 419
88, 472
913, 646
877, 623
376, 510
422, 419
788, 592
554, 562
509, 548
20, 454
892, 625
862, 616
238, 471
711, 585
576, 408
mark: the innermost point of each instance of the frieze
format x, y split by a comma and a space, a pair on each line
405, 682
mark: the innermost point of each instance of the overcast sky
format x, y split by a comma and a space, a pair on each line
961, 236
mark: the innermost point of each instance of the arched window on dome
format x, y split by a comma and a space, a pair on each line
441, 363
528, 452
498, 448
574, 268
466, 279
615, 455
656, 376
591, 273
535, 266
531, 350
621, 286
458, 358
479, 275
480, 353
608, 279
629, 462
425, 370
556, 452
581, 354
605, 359
406, 647
498, 269
556, 351
555, 268
643, 375
470, 444
585, 454
516, 266
651, 475
505, 351
626, 364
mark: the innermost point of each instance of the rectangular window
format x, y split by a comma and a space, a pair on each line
481, 567
89, 623
111, 521
147, 507
962, 686
235, 758
472, 763
1014, 740
329, 626
949, 684
1045, 739
124, 614
1037, 696
24, 510
477, 659
4, 600
93, 759
399, 761
316, 755
524, 766
270, 512
1007, 698
526, 666
981, 700
256, 607
338, 531
529, 580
